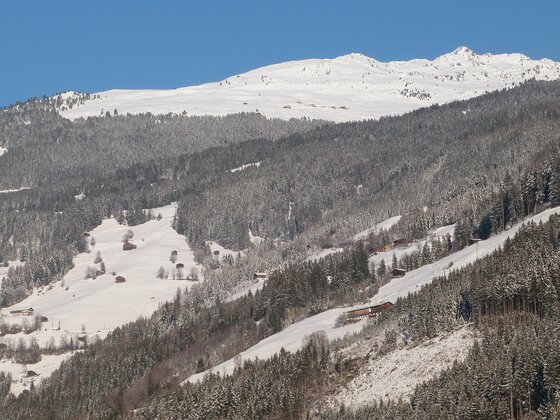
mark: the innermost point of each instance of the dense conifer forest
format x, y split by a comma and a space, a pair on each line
484, 164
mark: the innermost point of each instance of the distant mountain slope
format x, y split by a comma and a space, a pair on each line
347, 88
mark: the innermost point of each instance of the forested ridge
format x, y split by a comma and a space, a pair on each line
320, 186
484, 164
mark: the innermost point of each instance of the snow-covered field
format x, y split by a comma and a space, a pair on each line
397, 373
346, 88
291, 338
101, 305
43, 369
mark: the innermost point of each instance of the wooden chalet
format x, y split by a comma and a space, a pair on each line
400, 243
179, 265
368, 312
120, 279
378, 249
260, 276
216, 253
23, 312
473, 241
127, 246
398, 272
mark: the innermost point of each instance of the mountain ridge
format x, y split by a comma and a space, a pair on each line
350, 87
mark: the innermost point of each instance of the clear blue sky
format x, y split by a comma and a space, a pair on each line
51, 46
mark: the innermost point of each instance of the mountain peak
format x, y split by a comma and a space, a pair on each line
459, 52
355, 57
464, 51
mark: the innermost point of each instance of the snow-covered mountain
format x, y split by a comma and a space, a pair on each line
346, 88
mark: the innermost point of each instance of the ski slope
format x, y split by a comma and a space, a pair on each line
347, 88
291, 338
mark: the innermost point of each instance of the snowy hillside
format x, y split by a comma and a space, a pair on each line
291, 338
99, 305
387, 377
346, 88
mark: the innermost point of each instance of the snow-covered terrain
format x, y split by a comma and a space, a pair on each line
346, 88
324, 253
416, 246
101, 304
397, 373
413, 280
247, 165
3, 150
220, 252
4, 270
14, 190
384, 225
43, 369
254, 239
253, 288
291, 338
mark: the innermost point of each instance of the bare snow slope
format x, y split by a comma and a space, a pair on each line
397, 373
346, 88
291, 338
